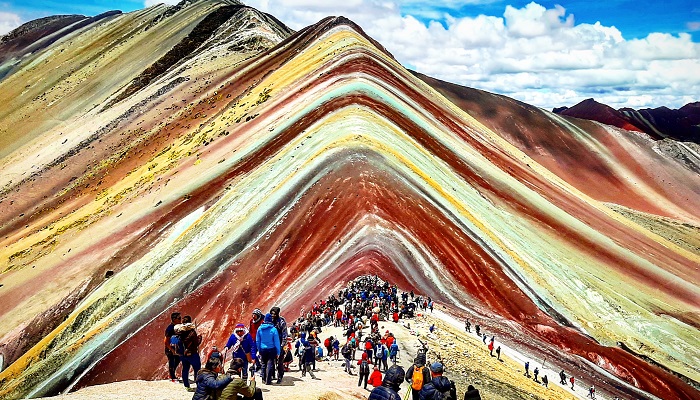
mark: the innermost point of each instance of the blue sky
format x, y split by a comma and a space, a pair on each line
621, 52
635, 19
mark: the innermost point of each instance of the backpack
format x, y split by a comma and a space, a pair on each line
177, 345
327, 343
417, 378
301, 349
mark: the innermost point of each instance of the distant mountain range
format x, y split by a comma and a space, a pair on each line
660, 123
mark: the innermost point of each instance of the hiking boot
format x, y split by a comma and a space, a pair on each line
279, 381
190, 389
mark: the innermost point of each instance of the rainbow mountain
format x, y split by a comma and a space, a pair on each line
206, 158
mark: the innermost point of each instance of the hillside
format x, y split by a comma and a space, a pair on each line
205, 157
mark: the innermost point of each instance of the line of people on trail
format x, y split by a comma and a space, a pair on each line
536, 371
266, 345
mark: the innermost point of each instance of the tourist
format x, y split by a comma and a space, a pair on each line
438, 383
268, 344
239, 388
390, 386
170, 353
209, 382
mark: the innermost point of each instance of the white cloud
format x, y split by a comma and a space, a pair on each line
8, 22
149, 3
537, 55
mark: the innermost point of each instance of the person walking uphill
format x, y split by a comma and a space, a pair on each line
268, 344
390, 386
364, 370
439, 385
281, 326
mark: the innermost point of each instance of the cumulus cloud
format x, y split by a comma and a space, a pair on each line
8, 22
149, 3
535, 54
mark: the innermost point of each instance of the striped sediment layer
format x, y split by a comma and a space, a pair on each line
268, 167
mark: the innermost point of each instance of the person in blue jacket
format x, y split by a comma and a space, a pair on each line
243, 347
268, 343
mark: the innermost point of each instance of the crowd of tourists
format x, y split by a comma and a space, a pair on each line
268, 345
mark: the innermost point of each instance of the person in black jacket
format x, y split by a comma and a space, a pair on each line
209, 385
390, 386
472, 393
439, 383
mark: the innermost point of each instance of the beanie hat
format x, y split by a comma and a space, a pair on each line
257, 311
268, 318
436, 367
420, 359
395, 375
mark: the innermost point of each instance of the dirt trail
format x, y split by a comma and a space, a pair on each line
466, 359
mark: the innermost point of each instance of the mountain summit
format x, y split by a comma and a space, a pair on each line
205, 157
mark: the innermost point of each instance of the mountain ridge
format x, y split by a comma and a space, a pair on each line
251, 161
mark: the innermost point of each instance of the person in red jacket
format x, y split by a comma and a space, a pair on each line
255, 322
395, 317
376, 378
338, 317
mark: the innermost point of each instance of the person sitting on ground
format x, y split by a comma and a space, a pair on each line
209, 384
419, 380
472, 393
239, 388
390, 386
438, 383
376, 378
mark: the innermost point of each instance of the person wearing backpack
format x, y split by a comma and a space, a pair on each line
439, 387
187, 334
417, 375
472, 393
393, 352
364, 364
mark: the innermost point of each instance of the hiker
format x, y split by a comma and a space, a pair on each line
545, 381
591, 392
376, 378
432, 328
478, 330
287, 355
467, 326
255, 322
385, 357
336, 349
208, 381
438, 383
268, 344
562, 377
242, 345
393, 352
299, 349
418, 375
187, 335
498, 352
328, 344
345, 351
535, 372
369, 347
572, 382
483, 338
472, 393
309, 357
281, 326
527, 369
491, 348
170, 353
390, 386
363, 372
238, 386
